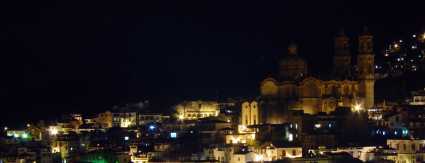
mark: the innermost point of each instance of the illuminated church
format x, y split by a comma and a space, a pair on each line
349, 85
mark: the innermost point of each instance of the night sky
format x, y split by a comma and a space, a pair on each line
86, 56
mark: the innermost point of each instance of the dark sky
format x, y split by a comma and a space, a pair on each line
63, 56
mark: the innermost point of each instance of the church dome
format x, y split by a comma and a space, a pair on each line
292, 66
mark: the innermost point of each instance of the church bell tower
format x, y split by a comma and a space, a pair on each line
366, 72
342, 57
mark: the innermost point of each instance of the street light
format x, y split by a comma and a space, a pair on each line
357, 107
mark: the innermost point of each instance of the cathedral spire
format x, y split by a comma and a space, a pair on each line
342, 56
292, 49
365, 42
366, 68
342, 46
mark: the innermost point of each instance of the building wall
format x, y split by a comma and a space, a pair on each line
408, 151
104, 119
124, 120
190, 110
249, 113
366, 69
313, 95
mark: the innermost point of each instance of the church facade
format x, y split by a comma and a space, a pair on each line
349, 85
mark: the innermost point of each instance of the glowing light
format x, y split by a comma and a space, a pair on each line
55, 150
16, 135
318, 125
151, 127
414, 36
53, 130
125, 123
358, 107
28, 125
181, 117
290, 137
24, 135
396, 45
253, 136
173, 135
400, 41
242, 128
386, 54
258, 158
404, 132
126, 138
235, 140
5, 128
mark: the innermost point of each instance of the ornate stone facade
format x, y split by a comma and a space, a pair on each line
192, 110
295, 89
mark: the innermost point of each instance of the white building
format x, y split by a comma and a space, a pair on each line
192, 110
408, 150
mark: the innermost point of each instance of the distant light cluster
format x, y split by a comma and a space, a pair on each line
404, 55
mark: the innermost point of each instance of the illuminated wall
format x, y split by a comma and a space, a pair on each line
104, 119
244, 138
408, 151
272, 153
297, 90
249, 113
191, 110
124, 120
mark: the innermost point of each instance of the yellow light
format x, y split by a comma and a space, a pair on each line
395, 45
358, 107
55, 149
181, 117
53, 130
125, 123
258, 158
235, 139
242, 128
